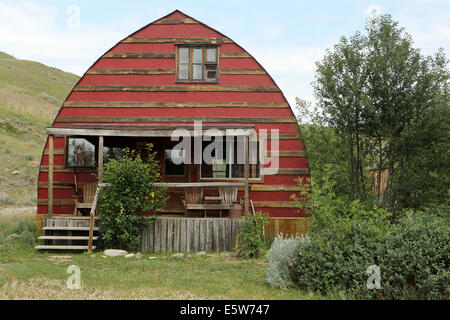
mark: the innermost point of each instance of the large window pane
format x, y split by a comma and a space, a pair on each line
197, 55
184, 55
211, 54
80, 153
197, 72
183, 72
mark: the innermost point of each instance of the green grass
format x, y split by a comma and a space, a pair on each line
32, 86
22, 137
29, 274
30, 96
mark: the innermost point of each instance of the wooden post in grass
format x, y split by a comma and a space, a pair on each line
50, 176
246, 146
100, 159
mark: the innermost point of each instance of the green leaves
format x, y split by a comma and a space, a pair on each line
250, 235
130, 196
382, 105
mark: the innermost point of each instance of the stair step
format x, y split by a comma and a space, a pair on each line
66, 238
52, 247
69, 228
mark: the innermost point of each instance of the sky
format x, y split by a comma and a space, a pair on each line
286, 37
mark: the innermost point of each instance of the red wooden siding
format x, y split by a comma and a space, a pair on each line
140, 70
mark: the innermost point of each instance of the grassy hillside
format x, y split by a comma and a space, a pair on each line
30, 96
33, 87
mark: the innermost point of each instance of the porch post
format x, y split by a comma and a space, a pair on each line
246, 147
100, 159
50, 176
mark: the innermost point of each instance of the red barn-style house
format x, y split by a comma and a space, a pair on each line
175, 73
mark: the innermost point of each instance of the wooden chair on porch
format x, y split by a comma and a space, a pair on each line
193, 197
194, 200
88, 198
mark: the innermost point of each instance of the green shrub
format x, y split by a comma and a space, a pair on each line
130, 195
412, 256
251, 235
280, 261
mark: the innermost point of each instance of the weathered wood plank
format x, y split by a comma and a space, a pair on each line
208, 235
134, 104
165, 55
176, 235
170, 235
203, 239
50, 176
189, 235
215, 235
293, 171
55, 151
177, 40
222, 225
234, 55
287, 153
228, 235
242, 71
129, 71
157, 238
176, 119
179, 88
164, 235
176, 21
167, 71
183, 239
140, 55
194, 234
274, 204
151, 237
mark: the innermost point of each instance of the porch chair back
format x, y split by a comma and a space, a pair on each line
193, 195
89, 192
228, 194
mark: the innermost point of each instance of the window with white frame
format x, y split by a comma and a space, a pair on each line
197, 64
229, 164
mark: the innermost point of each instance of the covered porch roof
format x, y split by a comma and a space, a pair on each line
123, 130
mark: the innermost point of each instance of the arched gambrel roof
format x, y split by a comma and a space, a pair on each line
134, 83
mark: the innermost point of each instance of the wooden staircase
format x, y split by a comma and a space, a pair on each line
67, 233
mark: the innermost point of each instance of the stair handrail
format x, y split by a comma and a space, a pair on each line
92, 215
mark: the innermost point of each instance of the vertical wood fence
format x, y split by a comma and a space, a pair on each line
293, 227
190, 235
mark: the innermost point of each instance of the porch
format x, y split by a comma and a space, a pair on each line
193, 188
191, 183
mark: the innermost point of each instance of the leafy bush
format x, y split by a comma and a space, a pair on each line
130, 195
250, 235
337, 258
280, 261
412, 256
328, 208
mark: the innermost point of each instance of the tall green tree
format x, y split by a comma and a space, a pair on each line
384, 105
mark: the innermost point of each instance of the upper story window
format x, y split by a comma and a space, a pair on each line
197, 64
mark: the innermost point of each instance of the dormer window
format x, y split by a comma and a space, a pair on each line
197, 64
